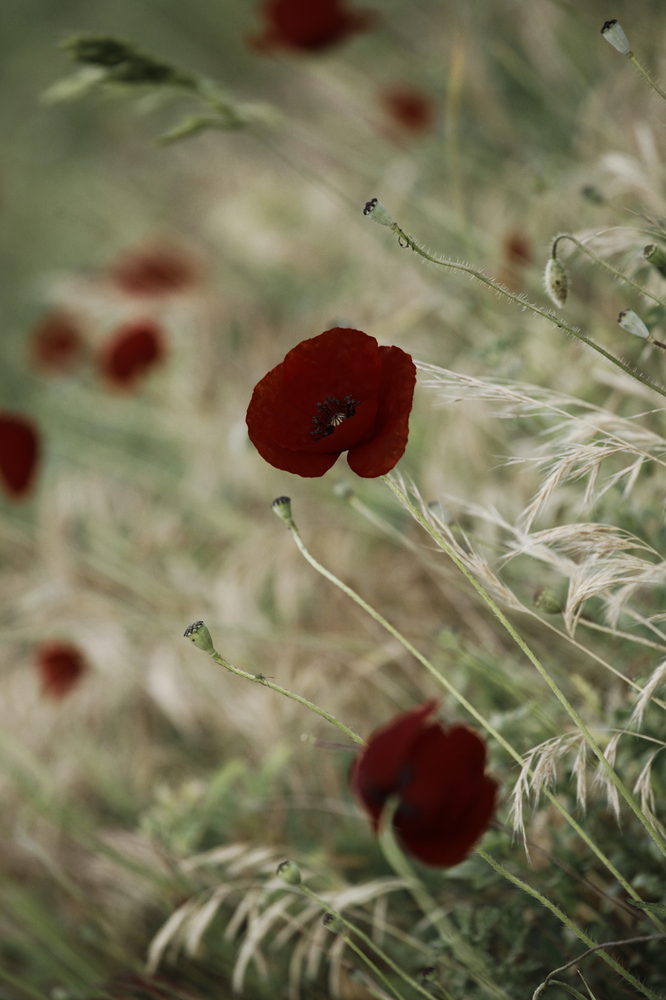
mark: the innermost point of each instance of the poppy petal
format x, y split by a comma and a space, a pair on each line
444, 847
60, 666
19, 453
386, 447
339, 362
375, 772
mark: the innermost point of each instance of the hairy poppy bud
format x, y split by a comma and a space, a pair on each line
656, 256
556, 282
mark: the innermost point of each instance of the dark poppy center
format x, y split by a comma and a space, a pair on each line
330, 414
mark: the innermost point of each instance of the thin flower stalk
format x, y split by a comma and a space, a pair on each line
590, 951
581, 935
197, 628
408, 241
460, 698
520, 642
463, 951
367, 941
607, 266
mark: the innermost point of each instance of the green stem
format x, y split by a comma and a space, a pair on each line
520, 642
368, 942
460, 698
608, 267
463, 951
200, 636
524, 304
581, 935
644, 72
590, 951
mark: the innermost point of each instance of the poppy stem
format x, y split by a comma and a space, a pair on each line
446, 684
464, 952
520, 642
369, 943
408, 241
200, 636
581, 935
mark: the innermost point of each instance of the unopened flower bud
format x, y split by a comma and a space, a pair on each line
200, 636
376, 211
556, 282
282, 507
548, 601
289, 873
656, 256
633, 324
614, 34
333, 923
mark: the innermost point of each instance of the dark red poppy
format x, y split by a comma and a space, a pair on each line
19, 454
446, 799
409, 108
131, 352
154, 272
56, 343
60, 667
518, 248
336, 392
309, 25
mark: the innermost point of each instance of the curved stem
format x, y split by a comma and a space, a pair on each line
597, 947
524, 304
581, 935
608, 267
522, 645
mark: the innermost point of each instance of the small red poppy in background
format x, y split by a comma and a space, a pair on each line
309, 25
55, 345
155, 272
132, 351
446, 801
60, 666
19, 454
517, 248
411, 109
336, 392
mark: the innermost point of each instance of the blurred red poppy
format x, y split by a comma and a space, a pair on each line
154, 272
409, 108
446, 801
518, 248
19, 454
56, 343
131, 352
309, 25
60, 666
336, 392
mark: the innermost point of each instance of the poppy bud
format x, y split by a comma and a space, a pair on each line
200, 636
376, 211
656, 256
289, 872
614, 34
633, 324
556, 282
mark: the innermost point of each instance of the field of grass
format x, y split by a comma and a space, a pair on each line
513, 561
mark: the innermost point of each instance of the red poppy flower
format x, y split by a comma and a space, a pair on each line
154, 272
19, 454
56, 343
337, 392
518, 248
131, 352
446, 800
409, 108
60, 666
309, 25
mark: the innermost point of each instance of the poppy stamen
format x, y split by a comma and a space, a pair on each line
330, 414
